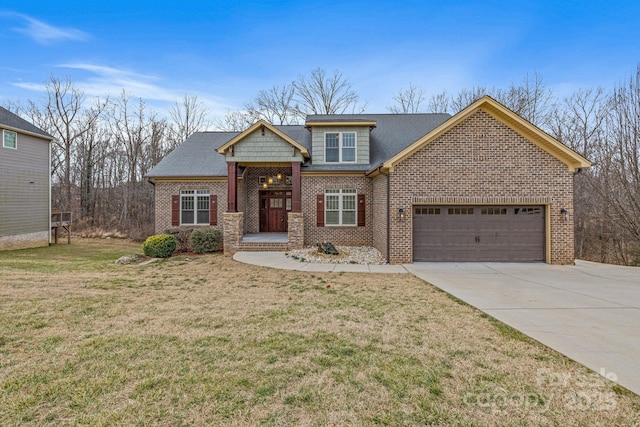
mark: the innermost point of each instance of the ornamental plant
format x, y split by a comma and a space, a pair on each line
205, 240
159, 246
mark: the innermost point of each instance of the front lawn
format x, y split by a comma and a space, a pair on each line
208, 341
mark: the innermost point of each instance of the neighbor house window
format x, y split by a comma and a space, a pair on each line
340, 207
194, 207
340, 147
9, 139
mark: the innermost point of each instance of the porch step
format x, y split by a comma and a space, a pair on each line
263, 247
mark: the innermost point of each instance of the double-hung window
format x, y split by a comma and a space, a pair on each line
194, 207
340, 207
340, 147
9, 139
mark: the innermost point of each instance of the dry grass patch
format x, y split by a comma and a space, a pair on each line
207, 341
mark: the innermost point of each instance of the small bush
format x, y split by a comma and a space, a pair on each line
183, 238
205, 240
159, 246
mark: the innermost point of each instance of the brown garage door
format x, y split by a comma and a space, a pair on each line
478, 233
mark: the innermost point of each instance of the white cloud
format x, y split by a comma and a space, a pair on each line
103, 81
46, 34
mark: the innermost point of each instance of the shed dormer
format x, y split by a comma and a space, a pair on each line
340, 140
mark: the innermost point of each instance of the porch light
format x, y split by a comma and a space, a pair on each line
279, 176
565, 214
265, 185
401, 212
270, 180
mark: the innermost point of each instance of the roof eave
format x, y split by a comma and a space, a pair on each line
260, 123
26, 132
545, 141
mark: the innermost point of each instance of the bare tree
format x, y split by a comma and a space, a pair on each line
275, 105
188, 116
65, 119
132, 128
234, 121
409, 100
320, 93
438, 103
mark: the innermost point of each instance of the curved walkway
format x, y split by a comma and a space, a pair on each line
589, 312
279, 260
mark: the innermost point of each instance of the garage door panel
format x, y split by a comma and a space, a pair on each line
478, 233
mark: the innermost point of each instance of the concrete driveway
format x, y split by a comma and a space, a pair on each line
589, 312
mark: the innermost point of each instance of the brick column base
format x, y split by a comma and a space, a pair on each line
296, 230
233, 230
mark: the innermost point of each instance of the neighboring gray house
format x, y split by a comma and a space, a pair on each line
25, 183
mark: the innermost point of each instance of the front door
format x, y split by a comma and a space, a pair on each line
274, 206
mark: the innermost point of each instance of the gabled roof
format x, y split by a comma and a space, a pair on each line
11, 121
501, 113
260, 124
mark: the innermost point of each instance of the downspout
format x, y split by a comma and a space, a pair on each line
50, 182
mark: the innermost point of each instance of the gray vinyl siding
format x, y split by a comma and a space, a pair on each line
24, 187
264, 148
362, 142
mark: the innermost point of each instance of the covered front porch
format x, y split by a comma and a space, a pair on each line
263, 191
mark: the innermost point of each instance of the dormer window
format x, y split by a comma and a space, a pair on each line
340, 147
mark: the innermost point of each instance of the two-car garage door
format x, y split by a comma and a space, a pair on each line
479, 233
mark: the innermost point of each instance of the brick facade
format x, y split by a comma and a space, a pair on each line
343, 235
165, 189
380, 215
482, 161
479, 161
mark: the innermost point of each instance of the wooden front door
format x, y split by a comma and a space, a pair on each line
274, 206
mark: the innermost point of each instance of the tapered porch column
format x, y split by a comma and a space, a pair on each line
296, 188
232, 187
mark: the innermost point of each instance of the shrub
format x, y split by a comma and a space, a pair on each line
183, 238
205, 240
159, 246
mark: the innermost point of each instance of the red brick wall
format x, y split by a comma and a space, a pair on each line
482, 161
346, 235
164, 190
379, 214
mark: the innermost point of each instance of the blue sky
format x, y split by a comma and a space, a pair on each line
226, 51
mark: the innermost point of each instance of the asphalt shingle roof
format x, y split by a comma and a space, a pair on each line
197, 155
11, 120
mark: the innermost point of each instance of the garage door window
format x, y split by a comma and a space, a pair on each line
427, 211
460, 211
493, 211
528, 211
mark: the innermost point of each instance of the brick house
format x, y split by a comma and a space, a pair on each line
482, 185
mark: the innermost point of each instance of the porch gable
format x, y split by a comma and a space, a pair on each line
263, 143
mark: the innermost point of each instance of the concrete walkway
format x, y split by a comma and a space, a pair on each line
279, 260
589, 312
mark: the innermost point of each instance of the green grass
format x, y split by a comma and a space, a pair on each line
207, 341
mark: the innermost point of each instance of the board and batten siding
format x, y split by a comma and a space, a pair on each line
24, 191
362, 142
263, 148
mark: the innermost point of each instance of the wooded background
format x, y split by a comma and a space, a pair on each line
104, 147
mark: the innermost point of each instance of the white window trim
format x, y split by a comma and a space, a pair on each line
194, 196
4, 132
340, 147
341, 194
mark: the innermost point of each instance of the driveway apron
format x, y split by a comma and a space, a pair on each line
589, 312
